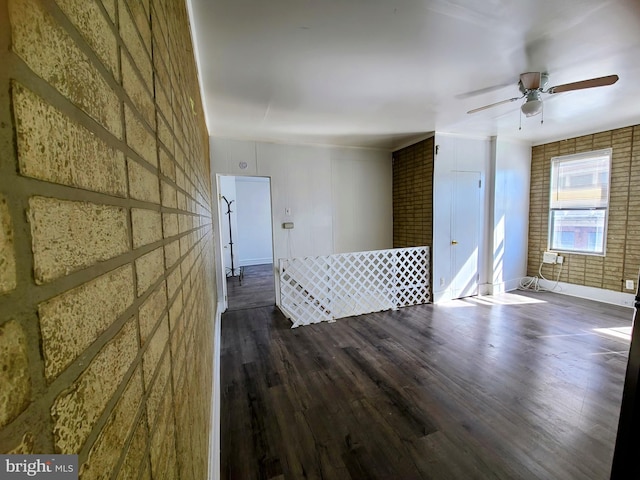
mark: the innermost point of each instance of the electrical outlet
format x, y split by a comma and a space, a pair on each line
549, 257
560, 260
628, 284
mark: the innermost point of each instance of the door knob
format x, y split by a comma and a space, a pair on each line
454, 242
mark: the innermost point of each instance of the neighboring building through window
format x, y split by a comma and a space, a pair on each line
579, 203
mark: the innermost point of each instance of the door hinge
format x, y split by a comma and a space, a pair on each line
437, 149
479, 183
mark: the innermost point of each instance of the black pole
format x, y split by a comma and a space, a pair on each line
233, 270
625, 456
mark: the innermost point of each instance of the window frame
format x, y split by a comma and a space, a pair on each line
558, 160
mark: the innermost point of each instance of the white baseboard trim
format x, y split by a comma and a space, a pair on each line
214, 434
591, 293
247, 262
503, 287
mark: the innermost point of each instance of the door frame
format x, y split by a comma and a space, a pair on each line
221, 276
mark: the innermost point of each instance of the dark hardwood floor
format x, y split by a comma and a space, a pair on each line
517, 386
256, 290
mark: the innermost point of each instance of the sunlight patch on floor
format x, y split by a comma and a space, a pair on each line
500, 299
505, 299
623, 333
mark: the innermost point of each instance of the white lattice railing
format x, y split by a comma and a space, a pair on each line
320, 289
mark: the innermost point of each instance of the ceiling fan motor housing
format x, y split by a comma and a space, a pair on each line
544, 81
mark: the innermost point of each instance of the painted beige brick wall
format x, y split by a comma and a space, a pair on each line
413, 195
622, 258
107, 291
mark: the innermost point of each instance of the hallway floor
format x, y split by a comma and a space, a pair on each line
257, 288
517, 386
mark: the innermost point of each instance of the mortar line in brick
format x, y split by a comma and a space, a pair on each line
19, 305
139, 35
109, 407
156, 372
32, 82
43, 188
36, 294
79, 40
127, 443
78, 365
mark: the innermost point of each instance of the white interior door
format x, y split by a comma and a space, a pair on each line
465, 233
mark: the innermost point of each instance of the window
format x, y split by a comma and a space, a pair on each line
579, 204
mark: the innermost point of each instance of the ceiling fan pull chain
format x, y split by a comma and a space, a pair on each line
520, 128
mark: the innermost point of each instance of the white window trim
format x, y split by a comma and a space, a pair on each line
578, 156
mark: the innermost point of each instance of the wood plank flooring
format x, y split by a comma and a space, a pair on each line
517, 386
257, 288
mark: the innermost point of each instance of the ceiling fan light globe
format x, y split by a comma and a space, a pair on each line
531, 107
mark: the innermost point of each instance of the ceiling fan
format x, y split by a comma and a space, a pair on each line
533, 85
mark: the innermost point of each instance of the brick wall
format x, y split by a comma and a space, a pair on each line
106, 268
413, 195
622, 258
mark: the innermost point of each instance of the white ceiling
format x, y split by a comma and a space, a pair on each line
381, 73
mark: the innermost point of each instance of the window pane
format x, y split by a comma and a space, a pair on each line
580, 183
578, 230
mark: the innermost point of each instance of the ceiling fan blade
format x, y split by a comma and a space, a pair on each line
494, 104
593, 82
530, 80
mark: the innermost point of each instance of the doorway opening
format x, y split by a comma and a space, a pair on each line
247, 241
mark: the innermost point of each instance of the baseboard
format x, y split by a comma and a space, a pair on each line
502, 287
255, 261
590, 293
214, 436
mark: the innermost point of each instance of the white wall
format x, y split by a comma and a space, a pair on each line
508, 226
455, 154
362, 200
253, 198
339, 199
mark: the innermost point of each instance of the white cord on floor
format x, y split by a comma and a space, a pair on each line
533, 283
